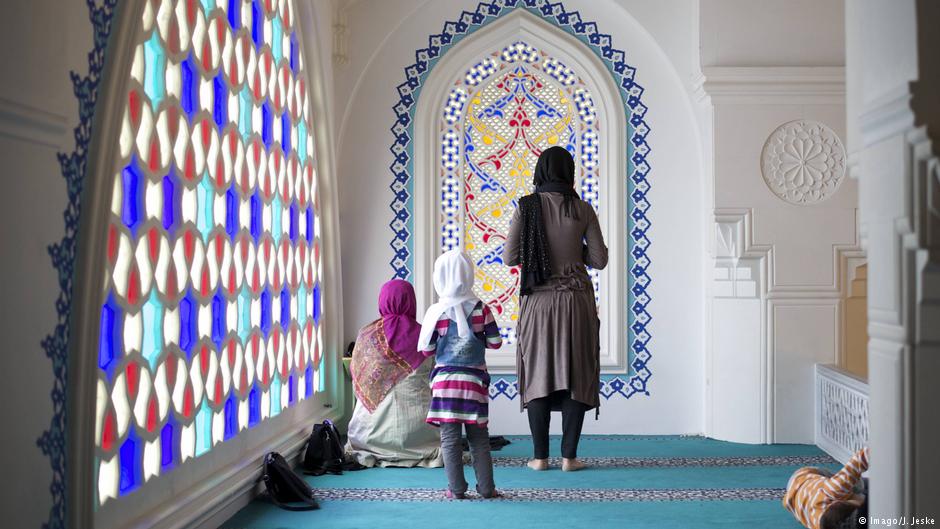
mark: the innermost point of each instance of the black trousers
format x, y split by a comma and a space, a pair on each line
572, 419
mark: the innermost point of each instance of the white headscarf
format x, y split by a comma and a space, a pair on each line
453, 281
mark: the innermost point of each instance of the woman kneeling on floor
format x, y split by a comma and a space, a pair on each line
390, 378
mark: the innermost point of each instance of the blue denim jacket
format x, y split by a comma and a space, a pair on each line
452, 350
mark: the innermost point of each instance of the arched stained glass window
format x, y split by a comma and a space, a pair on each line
496, 121
211, 314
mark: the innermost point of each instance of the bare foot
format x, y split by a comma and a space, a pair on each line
538, 464
571, 465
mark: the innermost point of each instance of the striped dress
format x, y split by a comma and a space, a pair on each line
460, 393
809, 493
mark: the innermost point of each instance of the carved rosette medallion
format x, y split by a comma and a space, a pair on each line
803, 162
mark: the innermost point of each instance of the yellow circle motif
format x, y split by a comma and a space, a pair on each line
553, 139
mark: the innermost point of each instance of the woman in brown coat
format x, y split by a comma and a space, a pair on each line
553, 236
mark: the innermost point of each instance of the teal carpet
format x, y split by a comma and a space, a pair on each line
660, 482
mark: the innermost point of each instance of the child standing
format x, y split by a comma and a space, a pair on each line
457, 330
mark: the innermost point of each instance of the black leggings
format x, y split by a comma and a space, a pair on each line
572, 418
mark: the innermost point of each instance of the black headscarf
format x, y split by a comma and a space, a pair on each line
554, 173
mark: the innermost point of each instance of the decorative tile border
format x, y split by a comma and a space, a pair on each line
554, 495
677, 462
611, 386
73, 164
402, 224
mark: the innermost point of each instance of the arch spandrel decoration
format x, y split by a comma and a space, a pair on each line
411, 199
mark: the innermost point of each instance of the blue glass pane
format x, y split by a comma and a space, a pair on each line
308, 381
244, 113
203, 428
267, 124
310, 224
132, 180
316, 303
188, 315
302, 141
231, 212
277, 228
257, 23
275, 396
205, 199
321, 386
207, 5
293, 212
218, 319
244, 314
294, 52
277, 39
254, 406
189, 77
109, 339
152, 344
265, 312
235, 14
231, 417
301, 306
154, 70
169, 201
285, 307
285, 132
291, 389
167, 444
220, 99
256, 210
130, 463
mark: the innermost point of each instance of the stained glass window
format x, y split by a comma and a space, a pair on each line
496, 121
211, 315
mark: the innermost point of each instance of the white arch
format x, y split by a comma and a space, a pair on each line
521, 25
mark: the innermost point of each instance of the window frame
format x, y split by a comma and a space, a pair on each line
195, 492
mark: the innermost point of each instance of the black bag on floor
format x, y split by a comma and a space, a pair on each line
284, 486
324, 452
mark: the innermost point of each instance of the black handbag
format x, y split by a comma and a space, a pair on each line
284, 486
324, 453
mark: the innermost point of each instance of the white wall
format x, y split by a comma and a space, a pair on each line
772, 32
383, 36
767, 63
40, 42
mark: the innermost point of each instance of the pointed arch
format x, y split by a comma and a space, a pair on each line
623, 150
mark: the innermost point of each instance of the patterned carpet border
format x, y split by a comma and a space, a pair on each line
672, 462
555, 495
601, 437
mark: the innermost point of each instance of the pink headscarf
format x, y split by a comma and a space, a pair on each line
398, 308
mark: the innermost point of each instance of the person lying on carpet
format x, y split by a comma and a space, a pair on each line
390, 379
821, 500
457, 330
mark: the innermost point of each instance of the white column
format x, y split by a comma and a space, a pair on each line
893, 110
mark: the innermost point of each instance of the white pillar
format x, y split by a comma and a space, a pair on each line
893, 110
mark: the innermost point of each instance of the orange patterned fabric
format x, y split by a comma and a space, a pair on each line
809, 493
375, 367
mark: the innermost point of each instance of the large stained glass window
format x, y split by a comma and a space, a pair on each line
211, 314
496, 121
